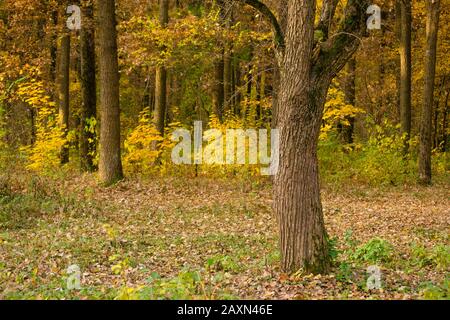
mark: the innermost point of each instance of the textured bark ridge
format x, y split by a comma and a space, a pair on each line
110, 156
298, 204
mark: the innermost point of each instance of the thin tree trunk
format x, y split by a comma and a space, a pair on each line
444, 123
88, 91
110, 154
227, 79
350, 98
63, 91
405, 71
228, 59
433, 10
161, 77
219, 68
398, 35
53, 50
282, 17
436, 113
32, 111
238, 84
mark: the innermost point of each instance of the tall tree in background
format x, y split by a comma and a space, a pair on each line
405, 69
350, 98
433, 10
88, 88
110, 168
161, 76
63, 91
227, 58
282, 18
219, 66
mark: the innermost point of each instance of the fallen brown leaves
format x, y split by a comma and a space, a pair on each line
165, 225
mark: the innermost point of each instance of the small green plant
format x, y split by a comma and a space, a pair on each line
272, 258
349, 239
222, 263
441, 257
375, 250
437, 292
333, 250
185, 286
344, 273
420, 256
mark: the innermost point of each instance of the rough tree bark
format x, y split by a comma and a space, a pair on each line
161, 76
433, 10
405, 70
88, 89
63, 92
110, 168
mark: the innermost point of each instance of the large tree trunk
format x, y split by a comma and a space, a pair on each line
298, 205
63, 92
88, 90
307, 69
110, 154
161, 77
405, 70
433, 9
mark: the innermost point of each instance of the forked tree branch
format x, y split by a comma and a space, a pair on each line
326, 16
268, 14
332, 55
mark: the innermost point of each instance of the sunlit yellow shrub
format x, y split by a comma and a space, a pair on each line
337, 112
44, 154
142, 145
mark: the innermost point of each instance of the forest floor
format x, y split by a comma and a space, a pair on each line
203, 238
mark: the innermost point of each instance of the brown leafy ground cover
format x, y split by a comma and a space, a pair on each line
205, 238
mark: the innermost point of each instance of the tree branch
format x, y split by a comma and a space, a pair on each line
266, 12
332, 55
326, 16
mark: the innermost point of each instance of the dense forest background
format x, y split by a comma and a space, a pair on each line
87, 178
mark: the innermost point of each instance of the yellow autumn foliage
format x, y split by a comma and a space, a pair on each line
44, 154
337, 112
